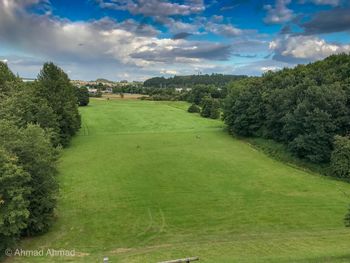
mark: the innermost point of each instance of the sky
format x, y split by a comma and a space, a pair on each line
138, 39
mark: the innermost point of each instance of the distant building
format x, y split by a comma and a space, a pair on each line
108, 90
28, 80
109, 84
182, 89
93, 91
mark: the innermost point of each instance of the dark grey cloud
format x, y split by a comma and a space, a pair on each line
155, 8
226, 30
199, 50
181, 35
179, 27
249, 45
286, 29
244, 56
141, 29
323, 2
335, 20
200, 25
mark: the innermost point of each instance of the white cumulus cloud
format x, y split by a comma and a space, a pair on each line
305, 47
269, 68
99, 44
168, 72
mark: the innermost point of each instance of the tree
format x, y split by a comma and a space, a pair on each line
207, 103
245, 114
14, 202
347, 219
310, 128
215, 109
55, 87
37, 157
26, 106
6, 76
340, 158
82, 94
198, 93
234, 90
193, 109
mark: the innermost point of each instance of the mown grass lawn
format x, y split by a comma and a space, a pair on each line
147, 181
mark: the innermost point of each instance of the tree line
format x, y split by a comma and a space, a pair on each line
219, 80
307, 108
36, 120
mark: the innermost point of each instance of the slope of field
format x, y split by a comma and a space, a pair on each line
147, 181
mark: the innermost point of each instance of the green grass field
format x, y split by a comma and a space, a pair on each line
147, 181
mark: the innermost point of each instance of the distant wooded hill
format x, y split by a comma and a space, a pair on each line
100, 80
186, 81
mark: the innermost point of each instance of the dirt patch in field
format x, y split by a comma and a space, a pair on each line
126, 96
122, 250
138, 249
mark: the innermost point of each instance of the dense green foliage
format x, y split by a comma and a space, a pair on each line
194, 109
347, 218
189, 88
304, 107
215, 109
33, 149
133, 89
340, 158
32, 125
55, 87
14, 192
25, 105
210, 108
218, 80
82, 93
6, 75
198, 92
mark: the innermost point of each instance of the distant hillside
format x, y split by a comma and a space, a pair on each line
104, 81
183, 81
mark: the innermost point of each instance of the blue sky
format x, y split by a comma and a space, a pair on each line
138, 39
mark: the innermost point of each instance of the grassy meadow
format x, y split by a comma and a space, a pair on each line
146, 181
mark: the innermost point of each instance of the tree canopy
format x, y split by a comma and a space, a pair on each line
304, 107
35, 120
55, 87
